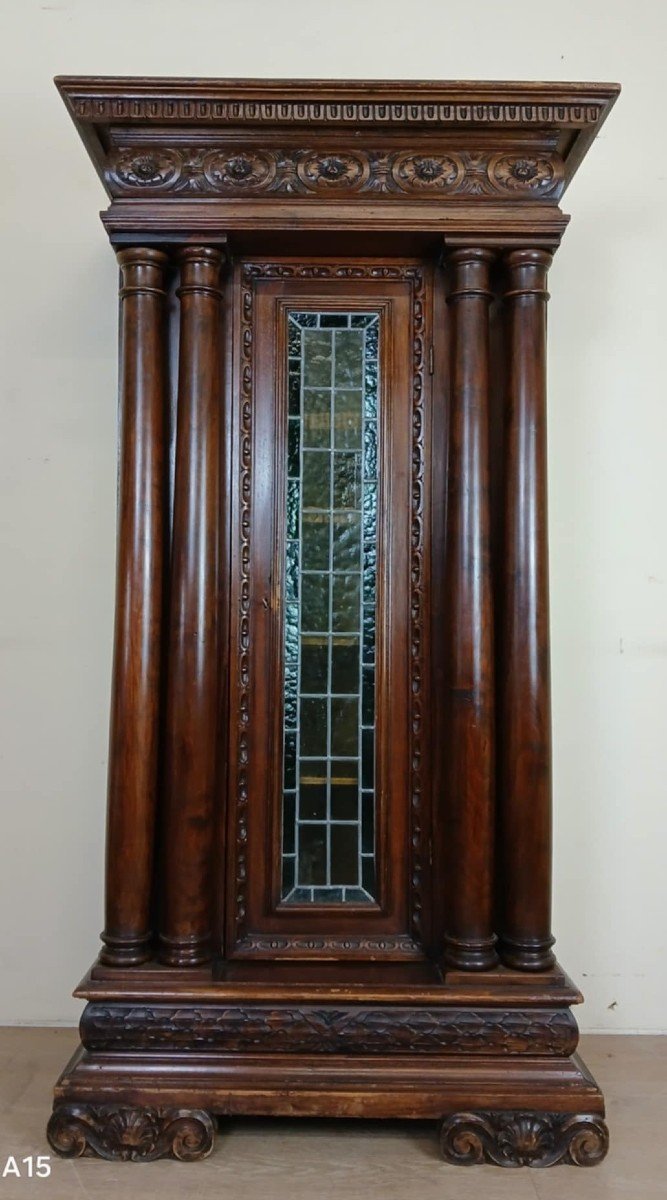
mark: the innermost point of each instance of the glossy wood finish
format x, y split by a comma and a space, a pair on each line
467, 803
337, 194
136, 686
525, 808
398, 1085
191, 731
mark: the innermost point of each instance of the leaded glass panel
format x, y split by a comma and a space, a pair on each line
328, 826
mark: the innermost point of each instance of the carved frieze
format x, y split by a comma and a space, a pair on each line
307, 172
330, 1030
255, 945
385, 139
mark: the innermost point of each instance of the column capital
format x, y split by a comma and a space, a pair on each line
142, 271
201, 253
527, 256
528, 269
200, 270
471, 267
141, 256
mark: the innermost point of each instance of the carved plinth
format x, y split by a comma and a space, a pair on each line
523, 1139
125, 1133
344, 1056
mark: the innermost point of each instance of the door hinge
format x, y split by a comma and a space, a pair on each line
430, 359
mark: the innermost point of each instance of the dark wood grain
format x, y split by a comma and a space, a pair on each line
136, 685
409, 1086
469, 940
525, 810
191, 738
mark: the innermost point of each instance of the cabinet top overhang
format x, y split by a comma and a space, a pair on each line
344, 144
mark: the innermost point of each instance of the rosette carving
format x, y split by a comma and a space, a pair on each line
523, 1139
510, 173
248, 170
130, 1134
148, 168
338, 170
244, 171
427, 172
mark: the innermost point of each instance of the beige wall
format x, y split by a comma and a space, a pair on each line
608, 413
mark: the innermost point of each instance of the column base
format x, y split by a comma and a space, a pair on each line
192, 951
119, 950
529, 954
470, 954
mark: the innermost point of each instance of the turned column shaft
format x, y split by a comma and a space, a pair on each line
469, 769
525, 820
133, 749
192, 693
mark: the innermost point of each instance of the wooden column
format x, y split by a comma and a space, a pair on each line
469, 768
133, 748
525, 820
192, 694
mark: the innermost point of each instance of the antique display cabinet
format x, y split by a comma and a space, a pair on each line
328, 843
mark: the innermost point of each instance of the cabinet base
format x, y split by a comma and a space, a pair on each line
510, 1111
492, 1060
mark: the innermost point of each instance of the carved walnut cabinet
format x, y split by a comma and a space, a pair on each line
328, 842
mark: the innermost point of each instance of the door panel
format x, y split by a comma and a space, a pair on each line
329, 809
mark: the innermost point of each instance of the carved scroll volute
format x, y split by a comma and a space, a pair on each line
467, 805
191, 739
133, 749
525, 775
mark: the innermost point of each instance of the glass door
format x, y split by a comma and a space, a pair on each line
328, 808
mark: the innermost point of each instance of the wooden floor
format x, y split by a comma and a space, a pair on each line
340, 1160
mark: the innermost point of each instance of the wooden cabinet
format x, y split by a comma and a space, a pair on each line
328, 847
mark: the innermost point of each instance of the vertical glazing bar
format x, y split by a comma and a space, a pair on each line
191, 741
525, 812
468, 803
133, 741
